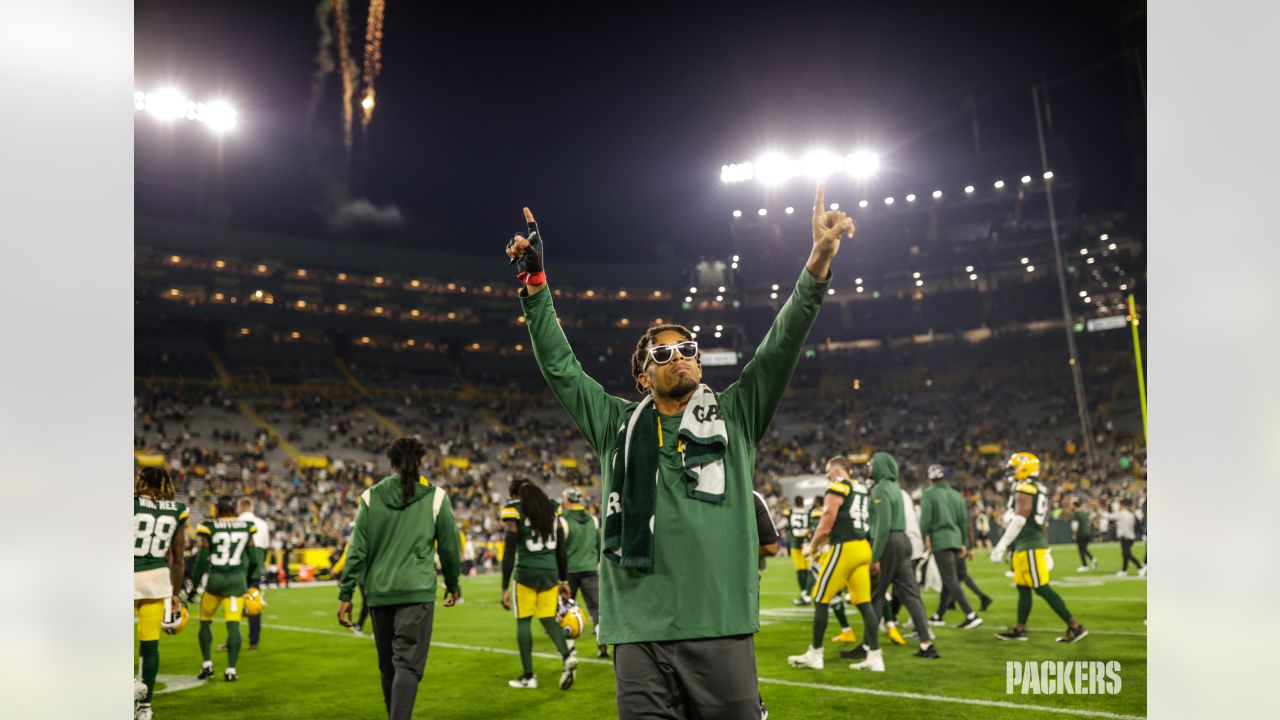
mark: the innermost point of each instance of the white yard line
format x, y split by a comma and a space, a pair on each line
770, 681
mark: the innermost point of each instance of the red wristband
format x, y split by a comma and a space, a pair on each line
538, 278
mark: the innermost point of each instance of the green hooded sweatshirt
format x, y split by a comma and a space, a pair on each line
582, 538
393, 547
943, 517
886, 503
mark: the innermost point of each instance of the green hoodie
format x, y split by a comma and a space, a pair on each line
582, 538
393, 547
943, 517
886, 503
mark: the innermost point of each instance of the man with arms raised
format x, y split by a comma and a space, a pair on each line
679, 597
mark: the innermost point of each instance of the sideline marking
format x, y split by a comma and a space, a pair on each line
176, 683
770, 681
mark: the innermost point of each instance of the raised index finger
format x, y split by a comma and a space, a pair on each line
820, 204
528, 216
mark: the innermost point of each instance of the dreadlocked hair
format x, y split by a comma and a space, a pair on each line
642, 349
537, 507
154, 482
406, 456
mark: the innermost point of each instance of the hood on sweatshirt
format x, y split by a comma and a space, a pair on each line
883, 467
391, 491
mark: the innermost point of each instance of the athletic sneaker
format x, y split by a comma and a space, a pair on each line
811, 658
847, 635
206, 671
970, 623
1008, 573
936, 620
570, 670
230, 675
1122, 573
528, 682
602, 651
858, 653
1093, 562
1012, 634
1074, 634
930, 652
986, 603
895, 636
142, 713
874, 662
1142, 572
1082, 568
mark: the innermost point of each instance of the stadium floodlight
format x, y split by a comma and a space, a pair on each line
717, 334
171, 104
1104, 237
1048, 174
775, 286
968, 189
999, 184
1084, 251
790, 210
688, 298
937, 194
762, 212
863, 203
818, 164
719, 328
736, 258
859, 288
1026, 179
773, 168
737, 213
1112, 246
919, 283
968, 268
1031, 268
773, 296
1026, 260
719, 298
888, 201
1090, 261
915, 275
831, 291
1124, 287
1087, 299
835, 206
1084, 293
973, 276
857, 281
219, 116
693, 290
862, 164
720, 289
696, 328
736, 172
911, 197
733, 266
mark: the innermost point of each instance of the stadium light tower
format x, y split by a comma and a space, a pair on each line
171, 104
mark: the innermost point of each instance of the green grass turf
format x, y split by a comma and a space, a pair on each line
310, 667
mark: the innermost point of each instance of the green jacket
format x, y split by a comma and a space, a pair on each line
703, 583
943, 518
582, 539
394, 544
887, 514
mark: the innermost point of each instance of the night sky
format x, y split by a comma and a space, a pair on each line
612, 122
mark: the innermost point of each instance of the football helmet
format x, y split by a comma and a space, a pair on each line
253, 602
573, 495
936, 472
1024, 465
571, 618
174, 621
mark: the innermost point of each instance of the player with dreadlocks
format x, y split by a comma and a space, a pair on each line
401, 523
535, 551
158, 537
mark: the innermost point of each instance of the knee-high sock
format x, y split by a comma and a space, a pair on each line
206, 640
837, 608
802, 578
524, 641
1024, 605
150, 652
255, 629
819, 623
870, 631
1055, 601
556, 633
233, 643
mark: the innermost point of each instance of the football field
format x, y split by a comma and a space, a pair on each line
310, 667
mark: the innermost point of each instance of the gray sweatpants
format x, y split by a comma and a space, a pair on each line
710, 679
589, 584
403, 636
896, 569
949, 566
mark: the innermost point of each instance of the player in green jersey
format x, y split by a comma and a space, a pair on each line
1025, 531
159, 536
1082, 533
535, 552
846, 564
582, 548
227, 552
797, 519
